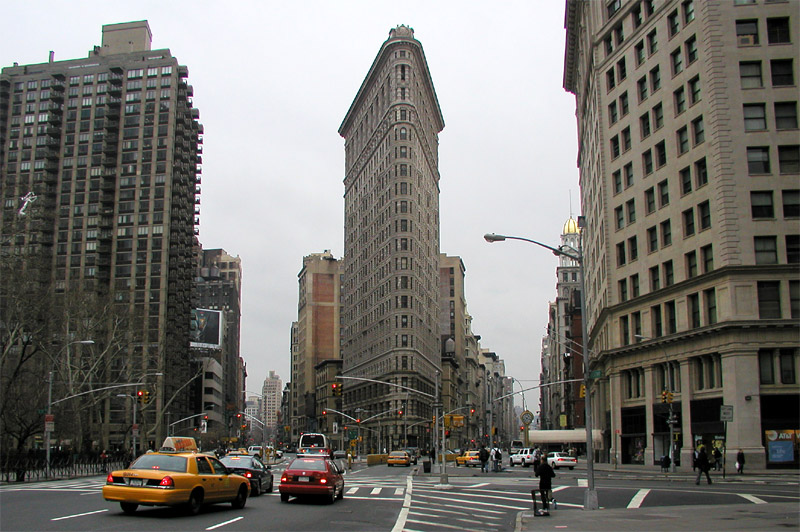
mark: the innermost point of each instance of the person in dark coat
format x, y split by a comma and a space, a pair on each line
740, 461
703, 466
717, 459
483, 455
546, 474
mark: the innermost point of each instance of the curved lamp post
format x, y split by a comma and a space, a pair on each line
590, 497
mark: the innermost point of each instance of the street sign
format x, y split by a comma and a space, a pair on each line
596, 374
335, 427
726, 413
49, 422
135, 430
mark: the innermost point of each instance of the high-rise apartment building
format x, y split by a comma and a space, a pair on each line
391, 250
689, 162
315, 335
105, 151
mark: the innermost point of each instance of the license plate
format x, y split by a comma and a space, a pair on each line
302, 479
136, 482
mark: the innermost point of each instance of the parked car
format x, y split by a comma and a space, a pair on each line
251, 468
312, 476
557, 460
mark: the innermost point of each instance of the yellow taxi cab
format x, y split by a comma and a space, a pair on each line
469, 458
398, 458
177, 475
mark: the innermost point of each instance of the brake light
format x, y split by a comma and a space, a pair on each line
167, 482
248, 474
109, 479
284, 479
323, 481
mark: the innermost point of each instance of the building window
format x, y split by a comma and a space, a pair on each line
658, 116
755, 117
614, 146
700, 173
623, 103
647, 162
658, 323
644, 125
693, 302
683, 143
691, 264
617, 181
628, 168
750, 74
635, 285
621, 254
791, 203
650, 200
785, 115
789, 159
766, 249
610, 80
792, 249
655, 79
663, 194
652, 42
642, 88
652, 239
761, 204
698, 130
691, 49
655, 278
710, 300
669, 273
758, 160
661, 154
794, 298
633, 248
694, 90
639, 51
686, 180
622, 71
704, 214
766, 369
671, 317
619, 217
666, 233
677, 62
623, 289
747, 32
688, 11
630, 208
782, 72
787, 363
679, 99
612, 112
778, 30
769, 301
707, 255
626, 139
688, 222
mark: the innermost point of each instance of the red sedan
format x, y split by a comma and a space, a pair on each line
312, 476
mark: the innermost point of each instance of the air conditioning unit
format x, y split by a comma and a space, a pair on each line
747, 40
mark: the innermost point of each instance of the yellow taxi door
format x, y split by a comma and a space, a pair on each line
208, 479
225, 485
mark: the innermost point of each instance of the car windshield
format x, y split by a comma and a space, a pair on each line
308, 464
397, 453
161, 462
237, 461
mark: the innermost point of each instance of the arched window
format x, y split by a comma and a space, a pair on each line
403, 134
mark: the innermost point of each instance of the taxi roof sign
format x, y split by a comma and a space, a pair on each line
179, 444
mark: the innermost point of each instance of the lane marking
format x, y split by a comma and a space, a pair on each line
638, 499
442, 525
375, 491
417, 513
472, 503
352, 491
78, 515
400, 524
225, 523
435, 506
752, 498
398, 491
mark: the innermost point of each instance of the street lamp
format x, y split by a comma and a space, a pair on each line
590, 497
49, 424
670, 388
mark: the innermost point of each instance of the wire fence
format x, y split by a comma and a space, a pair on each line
29, 469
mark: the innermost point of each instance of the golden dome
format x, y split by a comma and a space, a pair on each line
571, 227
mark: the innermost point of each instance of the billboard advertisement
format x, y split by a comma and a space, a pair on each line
205, 329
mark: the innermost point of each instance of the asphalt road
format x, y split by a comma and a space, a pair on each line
381, 499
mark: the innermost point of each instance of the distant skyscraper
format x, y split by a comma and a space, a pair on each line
390, 326
105, 149
271, 393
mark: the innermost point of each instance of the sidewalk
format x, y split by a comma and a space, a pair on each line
729, 518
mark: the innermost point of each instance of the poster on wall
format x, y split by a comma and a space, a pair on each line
205, 329
780, 445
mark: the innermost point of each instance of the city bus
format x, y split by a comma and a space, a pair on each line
313, 443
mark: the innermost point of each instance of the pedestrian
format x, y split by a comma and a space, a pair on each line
483, 456
492, 452
665, 463
694, 460
545, 474
498, 460
740, 461
703, 465
717, 459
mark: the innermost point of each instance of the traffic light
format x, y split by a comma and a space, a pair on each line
664, 396
447, 434
358, 420
336, 388
522, 428
471, 411
669, 397
582, 393
205, 417
239, 416
324, 412
140, 396
146, 397
400, 413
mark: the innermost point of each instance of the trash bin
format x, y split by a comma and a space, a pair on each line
426, 466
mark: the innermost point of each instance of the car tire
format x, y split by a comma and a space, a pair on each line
271, 484
241, 498
128, 507
510, 463
341, 493
332, 497
389, 465
256, 491
284, 497
195, 502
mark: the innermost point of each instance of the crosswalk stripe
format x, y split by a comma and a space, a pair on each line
398, 491
441, 525
752, 498
474, 502
465, 508
440, 512
352, 491
638, 499
375, 491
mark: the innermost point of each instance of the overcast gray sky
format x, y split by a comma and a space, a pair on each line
273, 81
